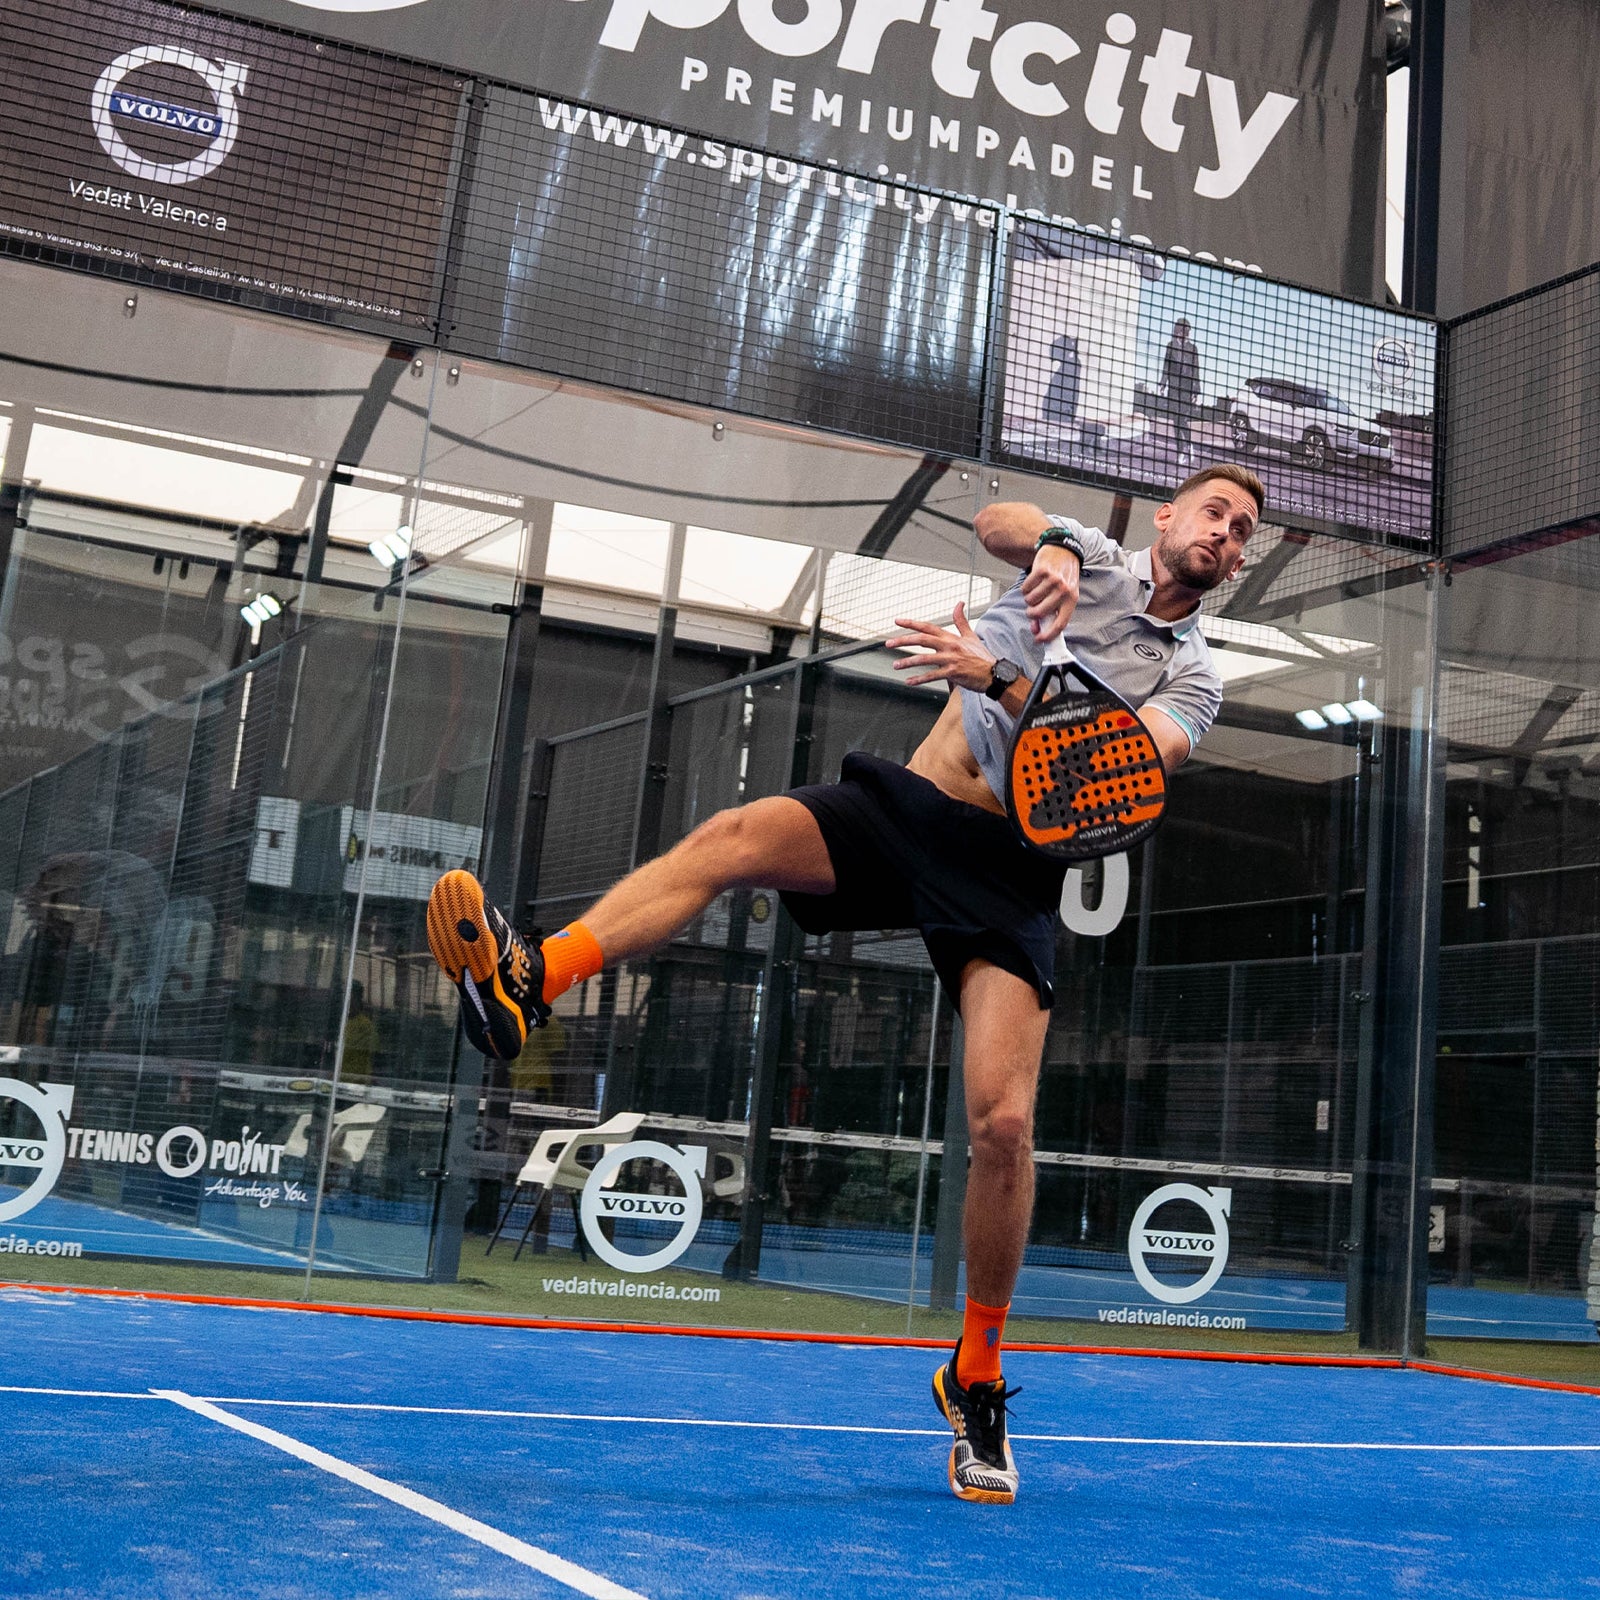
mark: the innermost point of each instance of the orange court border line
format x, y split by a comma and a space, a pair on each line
790, 1336
484, 1319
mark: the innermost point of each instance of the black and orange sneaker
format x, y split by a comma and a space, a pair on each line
981, 1467
499, 975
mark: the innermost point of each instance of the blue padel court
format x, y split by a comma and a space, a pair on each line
160, 1449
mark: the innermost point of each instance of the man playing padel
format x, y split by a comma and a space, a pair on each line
928, 845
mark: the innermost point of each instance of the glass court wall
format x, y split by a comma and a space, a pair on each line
620, 617
296, 617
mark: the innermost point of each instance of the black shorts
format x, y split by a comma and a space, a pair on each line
905, 855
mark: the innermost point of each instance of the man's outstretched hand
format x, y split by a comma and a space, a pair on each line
956, 654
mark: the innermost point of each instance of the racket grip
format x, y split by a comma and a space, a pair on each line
1056, 653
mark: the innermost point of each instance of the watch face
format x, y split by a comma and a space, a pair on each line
1005, 674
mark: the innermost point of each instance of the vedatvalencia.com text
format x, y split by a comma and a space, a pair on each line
10, 1244
630, 1289
1169, 1319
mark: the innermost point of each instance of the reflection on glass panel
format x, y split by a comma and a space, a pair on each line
607, 549
732, 569
194, 683
1519, 977
89, 460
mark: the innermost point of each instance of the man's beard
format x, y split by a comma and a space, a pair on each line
1193, 574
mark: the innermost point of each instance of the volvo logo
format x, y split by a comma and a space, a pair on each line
49, 1105
1211, 1247
602, 1203
1392, 360
113, 107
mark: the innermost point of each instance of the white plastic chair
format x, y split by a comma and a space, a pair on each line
354, 1127
553, 1164
730, 1186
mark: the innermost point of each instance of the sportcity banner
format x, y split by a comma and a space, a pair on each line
1250, 132
144, 136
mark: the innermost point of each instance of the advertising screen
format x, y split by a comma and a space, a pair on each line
1129, 367
169, 142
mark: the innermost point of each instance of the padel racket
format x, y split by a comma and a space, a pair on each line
1084, 778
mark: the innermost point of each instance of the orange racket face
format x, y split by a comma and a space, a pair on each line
1085, 778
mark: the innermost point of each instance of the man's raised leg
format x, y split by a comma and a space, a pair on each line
770, 844
507, 986
1005, 1030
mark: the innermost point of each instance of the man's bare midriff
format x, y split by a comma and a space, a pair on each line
945, 759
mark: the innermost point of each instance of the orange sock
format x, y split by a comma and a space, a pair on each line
569, 957
979, 1361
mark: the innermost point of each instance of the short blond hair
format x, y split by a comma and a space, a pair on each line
1233, 473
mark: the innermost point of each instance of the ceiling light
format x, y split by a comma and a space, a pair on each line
1363, 710
1314, 720
260, 609
392, 547
1337, 714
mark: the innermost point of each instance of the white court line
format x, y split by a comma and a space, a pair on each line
529, 1555
815, 1427
77, 1394
584, 1416
907, 1433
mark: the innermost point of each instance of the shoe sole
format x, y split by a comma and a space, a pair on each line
466, 949
458, 929
981, 1497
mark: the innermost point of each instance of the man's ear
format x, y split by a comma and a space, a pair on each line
1164, 516
1235, 570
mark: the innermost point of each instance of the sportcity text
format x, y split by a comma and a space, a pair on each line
1022, 62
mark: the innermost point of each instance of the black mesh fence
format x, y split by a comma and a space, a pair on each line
592, 814
599, 247
1522, 423
130, 864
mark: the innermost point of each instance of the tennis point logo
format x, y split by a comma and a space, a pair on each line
180, 1152
112, 107
602, 1203
1211, 1247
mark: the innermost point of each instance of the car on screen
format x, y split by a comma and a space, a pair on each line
1314, 425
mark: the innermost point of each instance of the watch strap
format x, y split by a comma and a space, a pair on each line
1065, 538
1005, 674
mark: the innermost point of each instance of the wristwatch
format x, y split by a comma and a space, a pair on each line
1006, 673
1064, 537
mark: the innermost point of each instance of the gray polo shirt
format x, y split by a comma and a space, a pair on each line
1148, 662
